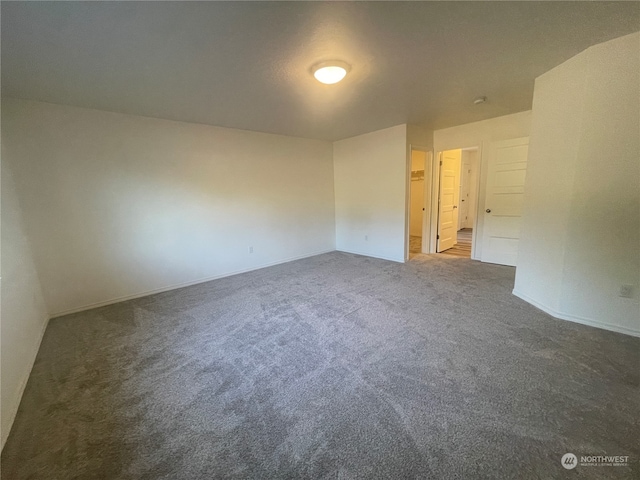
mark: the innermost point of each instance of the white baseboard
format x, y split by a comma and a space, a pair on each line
576, 319
370, 255
182, 285
23, 384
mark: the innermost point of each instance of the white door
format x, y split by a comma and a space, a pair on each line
448, 199
503, 205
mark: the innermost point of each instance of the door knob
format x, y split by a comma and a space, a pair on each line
455, 206
488, 210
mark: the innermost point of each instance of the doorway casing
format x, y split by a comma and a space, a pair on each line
426, 208
435, 196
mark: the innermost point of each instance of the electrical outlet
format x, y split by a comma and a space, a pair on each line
250, 249
626, 291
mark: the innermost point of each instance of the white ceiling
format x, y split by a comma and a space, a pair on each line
247, 64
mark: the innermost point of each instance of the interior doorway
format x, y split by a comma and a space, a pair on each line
419, 210
457, 201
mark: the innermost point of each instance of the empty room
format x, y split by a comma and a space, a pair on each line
320, 240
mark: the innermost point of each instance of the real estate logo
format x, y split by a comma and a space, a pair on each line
569, 461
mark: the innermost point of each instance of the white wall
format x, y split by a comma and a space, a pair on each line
478, 134
419, 137
370, 181
23, 312
117, 205
581, 225
549, 180
416, 193
417, 202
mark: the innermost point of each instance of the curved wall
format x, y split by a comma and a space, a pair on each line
581, 227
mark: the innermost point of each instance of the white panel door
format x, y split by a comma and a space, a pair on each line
503, 204
448, 200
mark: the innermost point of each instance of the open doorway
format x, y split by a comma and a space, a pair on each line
419, 200
457, 201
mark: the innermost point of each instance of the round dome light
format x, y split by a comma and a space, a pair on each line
330, 72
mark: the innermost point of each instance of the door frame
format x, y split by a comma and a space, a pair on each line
426, 207
435, 189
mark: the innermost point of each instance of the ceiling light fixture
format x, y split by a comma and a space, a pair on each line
330, 72
479, 100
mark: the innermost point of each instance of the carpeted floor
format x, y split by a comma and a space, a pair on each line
336, 366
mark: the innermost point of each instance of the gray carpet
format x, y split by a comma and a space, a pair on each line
336, 366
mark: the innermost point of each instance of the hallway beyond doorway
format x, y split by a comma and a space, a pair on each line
463, 247
415, 245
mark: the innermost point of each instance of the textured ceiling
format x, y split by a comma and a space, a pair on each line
247, 64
